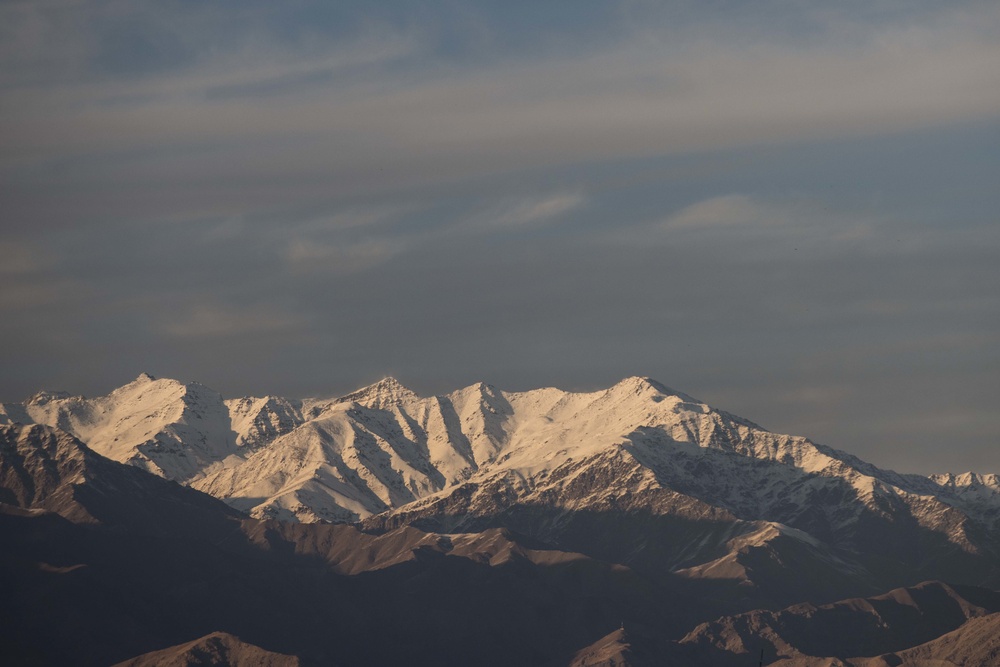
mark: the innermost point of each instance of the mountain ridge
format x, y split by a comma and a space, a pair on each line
556, 466
557, 514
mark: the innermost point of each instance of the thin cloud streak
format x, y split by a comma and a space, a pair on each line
726, 211
524, 212
344, 257
212, 320
628, 102
394, 131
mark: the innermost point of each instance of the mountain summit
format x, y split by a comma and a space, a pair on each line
568, 511
558, 466
387, 391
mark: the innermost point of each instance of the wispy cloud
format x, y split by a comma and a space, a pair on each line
529, 211
215, 320
730, 210
777, 225
343, 257
635, 97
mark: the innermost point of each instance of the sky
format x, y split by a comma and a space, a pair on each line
789, 209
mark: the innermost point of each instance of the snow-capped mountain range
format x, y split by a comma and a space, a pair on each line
538, 461
565, 514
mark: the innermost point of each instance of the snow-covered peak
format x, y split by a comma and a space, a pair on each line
390, 385
382, 447
164, 426
968, 480
480, 391
45, 397
640, 386
258, 421
146, 385
384, 393
140, 381
980, 492
975, 493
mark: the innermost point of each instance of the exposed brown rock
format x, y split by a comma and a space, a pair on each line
218, 648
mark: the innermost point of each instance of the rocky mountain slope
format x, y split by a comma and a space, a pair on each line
218, 648
929, 625
670, 485
977, 642
48, 470
616, 650
894, 621
541, 539
103, 562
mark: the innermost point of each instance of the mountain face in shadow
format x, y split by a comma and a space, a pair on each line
87, 586
637, 474
218, 648
893, 621
481, 527
977, 642
931, 621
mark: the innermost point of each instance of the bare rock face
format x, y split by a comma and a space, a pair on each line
103, 562
638, 474
618, 649
218, 648
710, 506
39, 468
48, 470
542, 539
893, 621
976, 642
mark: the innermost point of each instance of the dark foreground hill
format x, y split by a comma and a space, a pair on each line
85, 585
104, 562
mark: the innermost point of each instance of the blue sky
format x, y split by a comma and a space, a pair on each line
788, 209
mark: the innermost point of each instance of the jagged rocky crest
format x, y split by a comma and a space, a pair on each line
636, 460
634, 502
